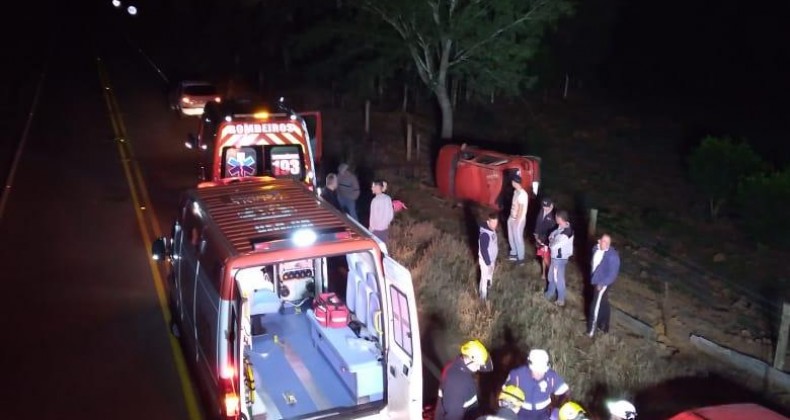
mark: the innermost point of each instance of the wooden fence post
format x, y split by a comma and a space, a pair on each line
408, 140
593, 222
417, 146
367, 117
781, 345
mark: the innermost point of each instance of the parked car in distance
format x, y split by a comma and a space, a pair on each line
190, 97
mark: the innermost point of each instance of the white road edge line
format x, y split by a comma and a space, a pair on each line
23, 141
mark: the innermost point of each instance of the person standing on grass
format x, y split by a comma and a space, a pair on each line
517, 221
381, 211
561, 249
488, 248
329, 194
605, 268
348, 190
544, 225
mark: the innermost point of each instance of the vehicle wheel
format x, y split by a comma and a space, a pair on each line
174, 328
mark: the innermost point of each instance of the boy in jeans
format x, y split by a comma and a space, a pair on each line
487, 253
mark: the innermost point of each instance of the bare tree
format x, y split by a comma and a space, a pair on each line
487, 43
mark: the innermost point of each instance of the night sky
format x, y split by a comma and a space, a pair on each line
721, 66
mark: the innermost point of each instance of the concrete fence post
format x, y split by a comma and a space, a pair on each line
593, 222
409, 129
781, 344
367, 117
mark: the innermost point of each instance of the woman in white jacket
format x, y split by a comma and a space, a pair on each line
381, 211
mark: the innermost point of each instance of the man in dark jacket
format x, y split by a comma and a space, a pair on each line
561, 248
330, 192
544, 224
605, 268
488, 248
348, 190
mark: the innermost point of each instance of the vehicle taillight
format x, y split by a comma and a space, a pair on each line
231, 404
185, 100
218, 99
227, 372
230, 398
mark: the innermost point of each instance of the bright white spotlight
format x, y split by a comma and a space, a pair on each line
116, 3
132, 10
304, 237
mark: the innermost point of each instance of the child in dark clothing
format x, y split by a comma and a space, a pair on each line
488, 250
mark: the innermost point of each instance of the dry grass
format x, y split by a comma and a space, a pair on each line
445, 279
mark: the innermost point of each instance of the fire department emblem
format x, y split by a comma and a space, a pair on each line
543, 385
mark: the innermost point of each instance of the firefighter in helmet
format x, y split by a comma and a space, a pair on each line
458, 388
510, 400
572, 411
621, 410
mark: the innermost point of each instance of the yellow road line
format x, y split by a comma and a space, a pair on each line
130, 167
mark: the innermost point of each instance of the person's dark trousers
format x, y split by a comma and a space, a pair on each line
599, 311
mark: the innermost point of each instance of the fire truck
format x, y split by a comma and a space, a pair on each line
250, 263
245, 138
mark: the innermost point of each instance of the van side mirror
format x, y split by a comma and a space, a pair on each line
192, 142
160, 249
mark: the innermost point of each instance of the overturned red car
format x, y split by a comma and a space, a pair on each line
465, 173
730, 412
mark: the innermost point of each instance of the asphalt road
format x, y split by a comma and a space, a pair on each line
99, 176
85, 326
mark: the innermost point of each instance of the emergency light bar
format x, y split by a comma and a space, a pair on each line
300, 237
261, 115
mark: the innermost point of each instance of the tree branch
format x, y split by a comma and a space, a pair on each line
465, 53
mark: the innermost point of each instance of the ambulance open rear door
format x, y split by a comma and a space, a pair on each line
404, 357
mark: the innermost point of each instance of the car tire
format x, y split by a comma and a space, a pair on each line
175, 318
174, 328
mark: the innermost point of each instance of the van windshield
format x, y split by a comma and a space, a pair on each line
200, 90
312, 331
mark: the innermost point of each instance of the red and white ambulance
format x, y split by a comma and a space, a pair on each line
244, 139
288, 308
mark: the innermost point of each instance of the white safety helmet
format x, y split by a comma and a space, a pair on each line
622, 408
538, 360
